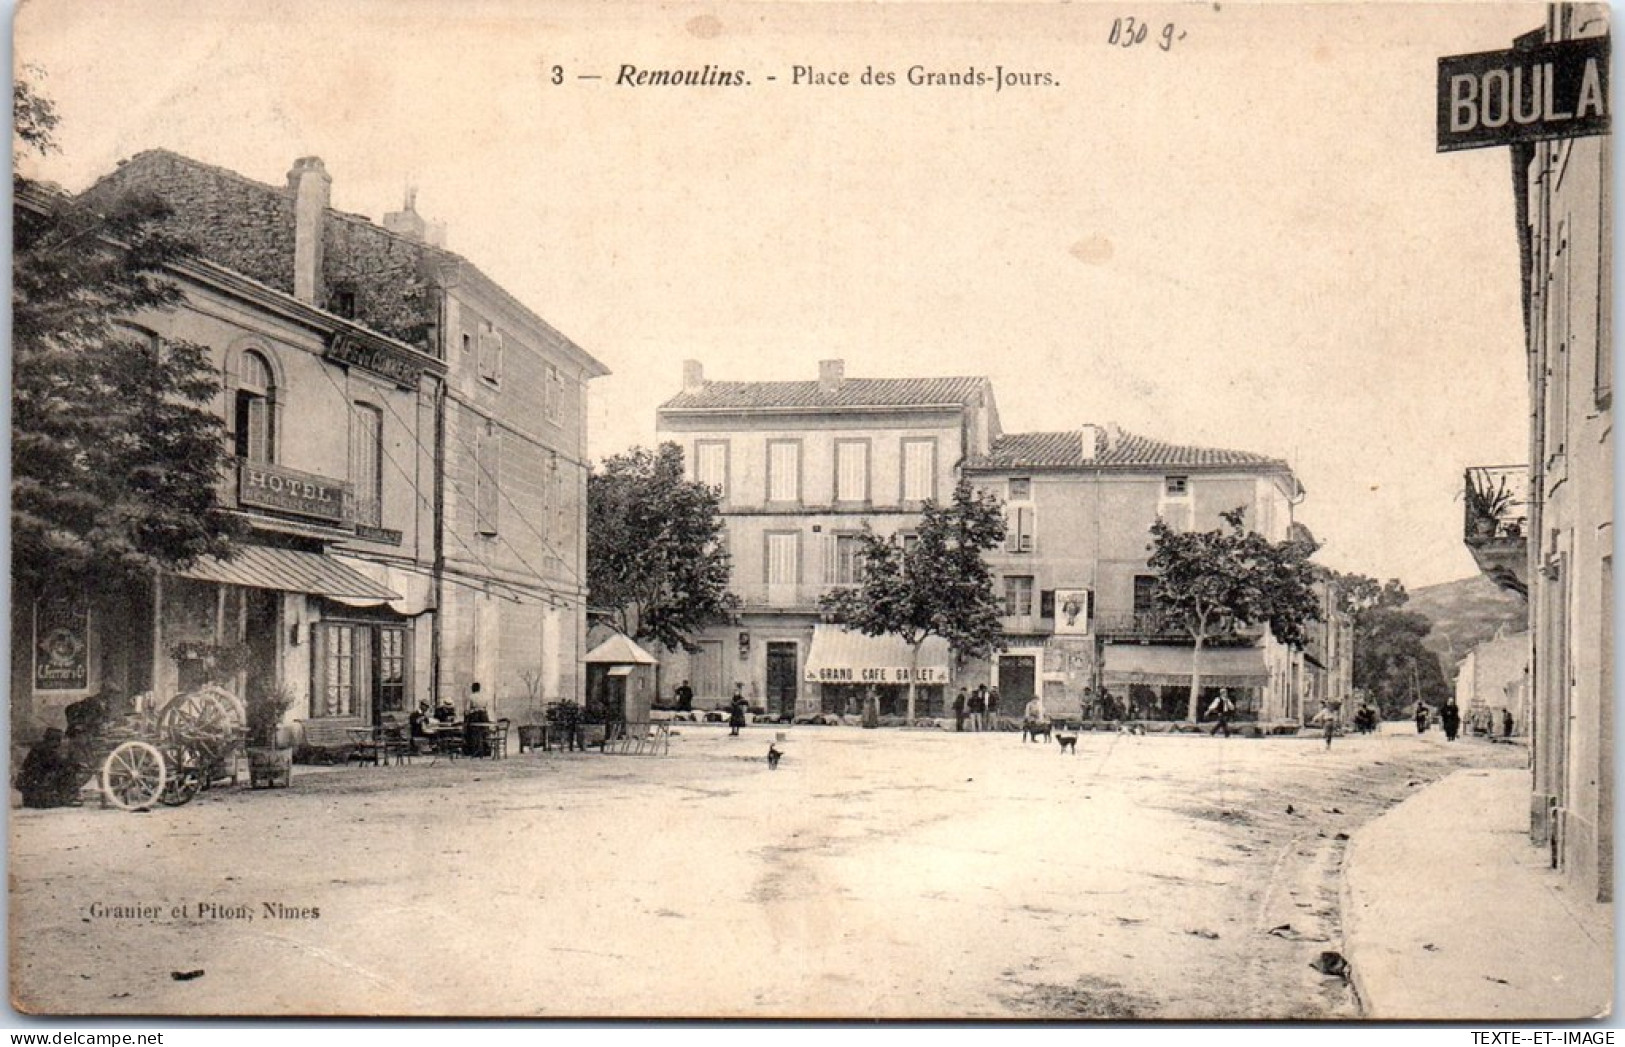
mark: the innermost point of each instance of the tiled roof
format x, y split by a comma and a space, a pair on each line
1128, 450
852, 392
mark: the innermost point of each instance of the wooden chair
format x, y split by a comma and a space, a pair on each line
498, 737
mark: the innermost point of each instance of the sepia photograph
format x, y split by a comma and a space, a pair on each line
800, 512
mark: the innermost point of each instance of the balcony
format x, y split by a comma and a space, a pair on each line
1158, 627
1495, 525
779, 596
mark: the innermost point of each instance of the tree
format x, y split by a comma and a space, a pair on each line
116, 453
1212, 582
655, 555
935, 583
1392, 664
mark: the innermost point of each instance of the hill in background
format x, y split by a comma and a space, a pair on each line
1464, 614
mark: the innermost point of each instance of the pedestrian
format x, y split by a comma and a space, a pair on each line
1222, 707
1421, 718
685, 697
1451, 718
736, 711
1033, 718
1506, 723
978, 708
961, 706
1326, 719
993, 709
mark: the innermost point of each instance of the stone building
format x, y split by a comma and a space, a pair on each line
400, 417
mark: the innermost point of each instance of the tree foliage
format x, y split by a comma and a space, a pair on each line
1392, 665
935, 583
116, 451
655, 555
1213, 582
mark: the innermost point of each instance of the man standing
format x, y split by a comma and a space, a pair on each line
978, 707
1222, 707
685, 697
993, 709
960, 703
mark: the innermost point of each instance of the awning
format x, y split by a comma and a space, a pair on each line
1171, 666
619, 650
839, 656
417, 588
288, 570
620, 670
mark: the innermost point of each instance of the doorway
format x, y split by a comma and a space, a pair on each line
781, 679
1016, 677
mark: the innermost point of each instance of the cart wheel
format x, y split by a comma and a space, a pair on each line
133, 776
185, 779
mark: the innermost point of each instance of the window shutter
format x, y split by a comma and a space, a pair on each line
259, 430
831, 558
488, 461
1046, 604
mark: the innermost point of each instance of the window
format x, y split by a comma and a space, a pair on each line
1018, 595
1145, 599
782, 559
487, 478
361, 671
1176, 486
1021, 489
919, 469
366, 463
711, 465
553, 395
851, 470
784, 470
392, 670
491, 354
344, 302
1018, 530
253, 414
845, 565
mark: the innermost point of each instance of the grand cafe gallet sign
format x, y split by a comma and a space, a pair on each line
1557, 90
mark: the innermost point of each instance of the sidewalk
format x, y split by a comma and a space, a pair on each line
1450, 914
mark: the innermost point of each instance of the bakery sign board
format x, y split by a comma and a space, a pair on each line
1556, 90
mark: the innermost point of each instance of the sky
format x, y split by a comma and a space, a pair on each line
1244, 240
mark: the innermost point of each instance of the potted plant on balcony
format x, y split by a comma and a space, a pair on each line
270, 745
1487, 504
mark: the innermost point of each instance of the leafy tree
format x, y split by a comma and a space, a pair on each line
655, 557
1213, 582
934, 584
116, 452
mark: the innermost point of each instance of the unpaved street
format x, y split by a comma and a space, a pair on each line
875, 874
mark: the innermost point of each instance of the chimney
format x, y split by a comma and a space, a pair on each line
1113, 435
407, 222
693, 376
310, 185
1088, 441
831, 373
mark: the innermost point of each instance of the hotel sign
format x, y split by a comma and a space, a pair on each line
1557, 90
381, 358
266, 486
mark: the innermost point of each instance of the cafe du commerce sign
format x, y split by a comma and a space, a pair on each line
1557, 90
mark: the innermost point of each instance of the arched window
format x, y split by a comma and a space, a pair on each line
255, 416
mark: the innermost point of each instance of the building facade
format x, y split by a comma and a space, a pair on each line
802, 468
1080, 615
409, 445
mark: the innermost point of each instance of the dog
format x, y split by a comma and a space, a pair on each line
1131, 727
773, 757
1067, 742
1031, 729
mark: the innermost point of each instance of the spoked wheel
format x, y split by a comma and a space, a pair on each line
185, 778
133, 776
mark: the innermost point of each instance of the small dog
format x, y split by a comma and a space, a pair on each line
773, 757
1031, 729
1131, 727
1068, 742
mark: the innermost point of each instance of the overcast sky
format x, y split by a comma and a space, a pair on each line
1247, 240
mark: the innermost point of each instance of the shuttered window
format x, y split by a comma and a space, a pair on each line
491, 354
711, 465
487, 479
843, 563
852, 471
782, 566
783, 471
366, 463
1019, 529
919, 469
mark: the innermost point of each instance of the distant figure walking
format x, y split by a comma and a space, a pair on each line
736, 711
1506, 723
1327, 719
1222, 708
1421, 718
1451, 718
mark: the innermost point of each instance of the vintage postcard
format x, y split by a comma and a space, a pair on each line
984, 511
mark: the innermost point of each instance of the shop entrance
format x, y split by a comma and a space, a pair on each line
1016, 677
781, 679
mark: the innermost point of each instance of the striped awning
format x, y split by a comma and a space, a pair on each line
839, 656
1171, 666
289, 570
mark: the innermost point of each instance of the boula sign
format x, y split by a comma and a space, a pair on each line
1557, 90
